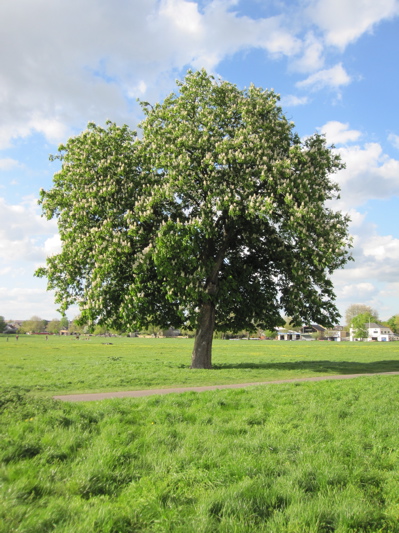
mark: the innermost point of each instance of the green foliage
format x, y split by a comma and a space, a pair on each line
34, 325
152, 329
76, 326
290, 324
360, 325
64, 322
263, 459
2, 324
219, 204
355, 310
393, 323
54, 326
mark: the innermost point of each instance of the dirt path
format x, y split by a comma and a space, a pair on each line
152, 392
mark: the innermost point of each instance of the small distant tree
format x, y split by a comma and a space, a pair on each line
360, 325
76, 326
34, 325
270, 333
100, 330
2, 324
64, 323
290, 324
393, 323
359, 309
54, 326
152, 329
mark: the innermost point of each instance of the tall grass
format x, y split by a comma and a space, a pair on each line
311, 457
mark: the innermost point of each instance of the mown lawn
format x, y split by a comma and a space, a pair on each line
66, 365
310, 457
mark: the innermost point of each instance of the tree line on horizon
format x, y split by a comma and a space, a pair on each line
356, 315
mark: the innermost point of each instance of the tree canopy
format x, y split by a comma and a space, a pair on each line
393, 323
214, 219
360, 324
34, 325
54, 326
359, 309
64, 323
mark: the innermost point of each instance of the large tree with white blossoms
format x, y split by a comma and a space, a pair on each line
214, 219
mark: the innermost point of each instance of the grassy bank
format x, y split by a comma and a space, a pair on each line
311, 457
64, 364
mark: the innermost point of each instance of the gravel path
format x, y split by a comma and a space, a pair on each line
152, 392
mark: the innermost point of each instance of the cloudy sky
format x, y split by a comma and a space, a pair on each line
334, 63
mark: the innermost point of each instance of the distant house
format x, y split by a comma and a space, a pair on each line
287, 335
375, 332
337, 333
313, 328
12, 326
10, 329
171, 332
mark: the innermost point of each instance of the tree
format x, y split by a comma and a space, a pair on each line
2, 324
76, 325
215, 220
289, 324
64, 322
360, 325
54, 326
393, 323
34, 325
152, 329
359, 309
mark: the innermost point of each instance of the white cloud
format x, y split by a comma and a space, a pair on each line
344, 21
20, 303
182, 15
382, 248
339, 133
334, 78
53, 245
372, 276
391, 290
21, 230
9, 164
394, 140
358, 290
291, 100
74, 65
369, 174
357, 219
312, 55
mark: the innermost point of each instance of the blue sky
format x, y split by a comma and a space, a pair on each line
334, 63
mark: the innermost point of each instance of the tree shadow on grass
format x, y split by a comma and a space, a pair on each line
334, 367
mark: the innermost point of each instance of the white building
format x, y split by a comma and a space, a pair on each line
287, 335
375, 332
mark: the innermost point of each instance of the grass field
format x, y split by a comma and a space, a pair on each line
311, 457
64, 365
293, 458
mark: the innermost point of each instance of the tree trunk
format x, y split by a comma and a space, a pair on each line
202, 352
